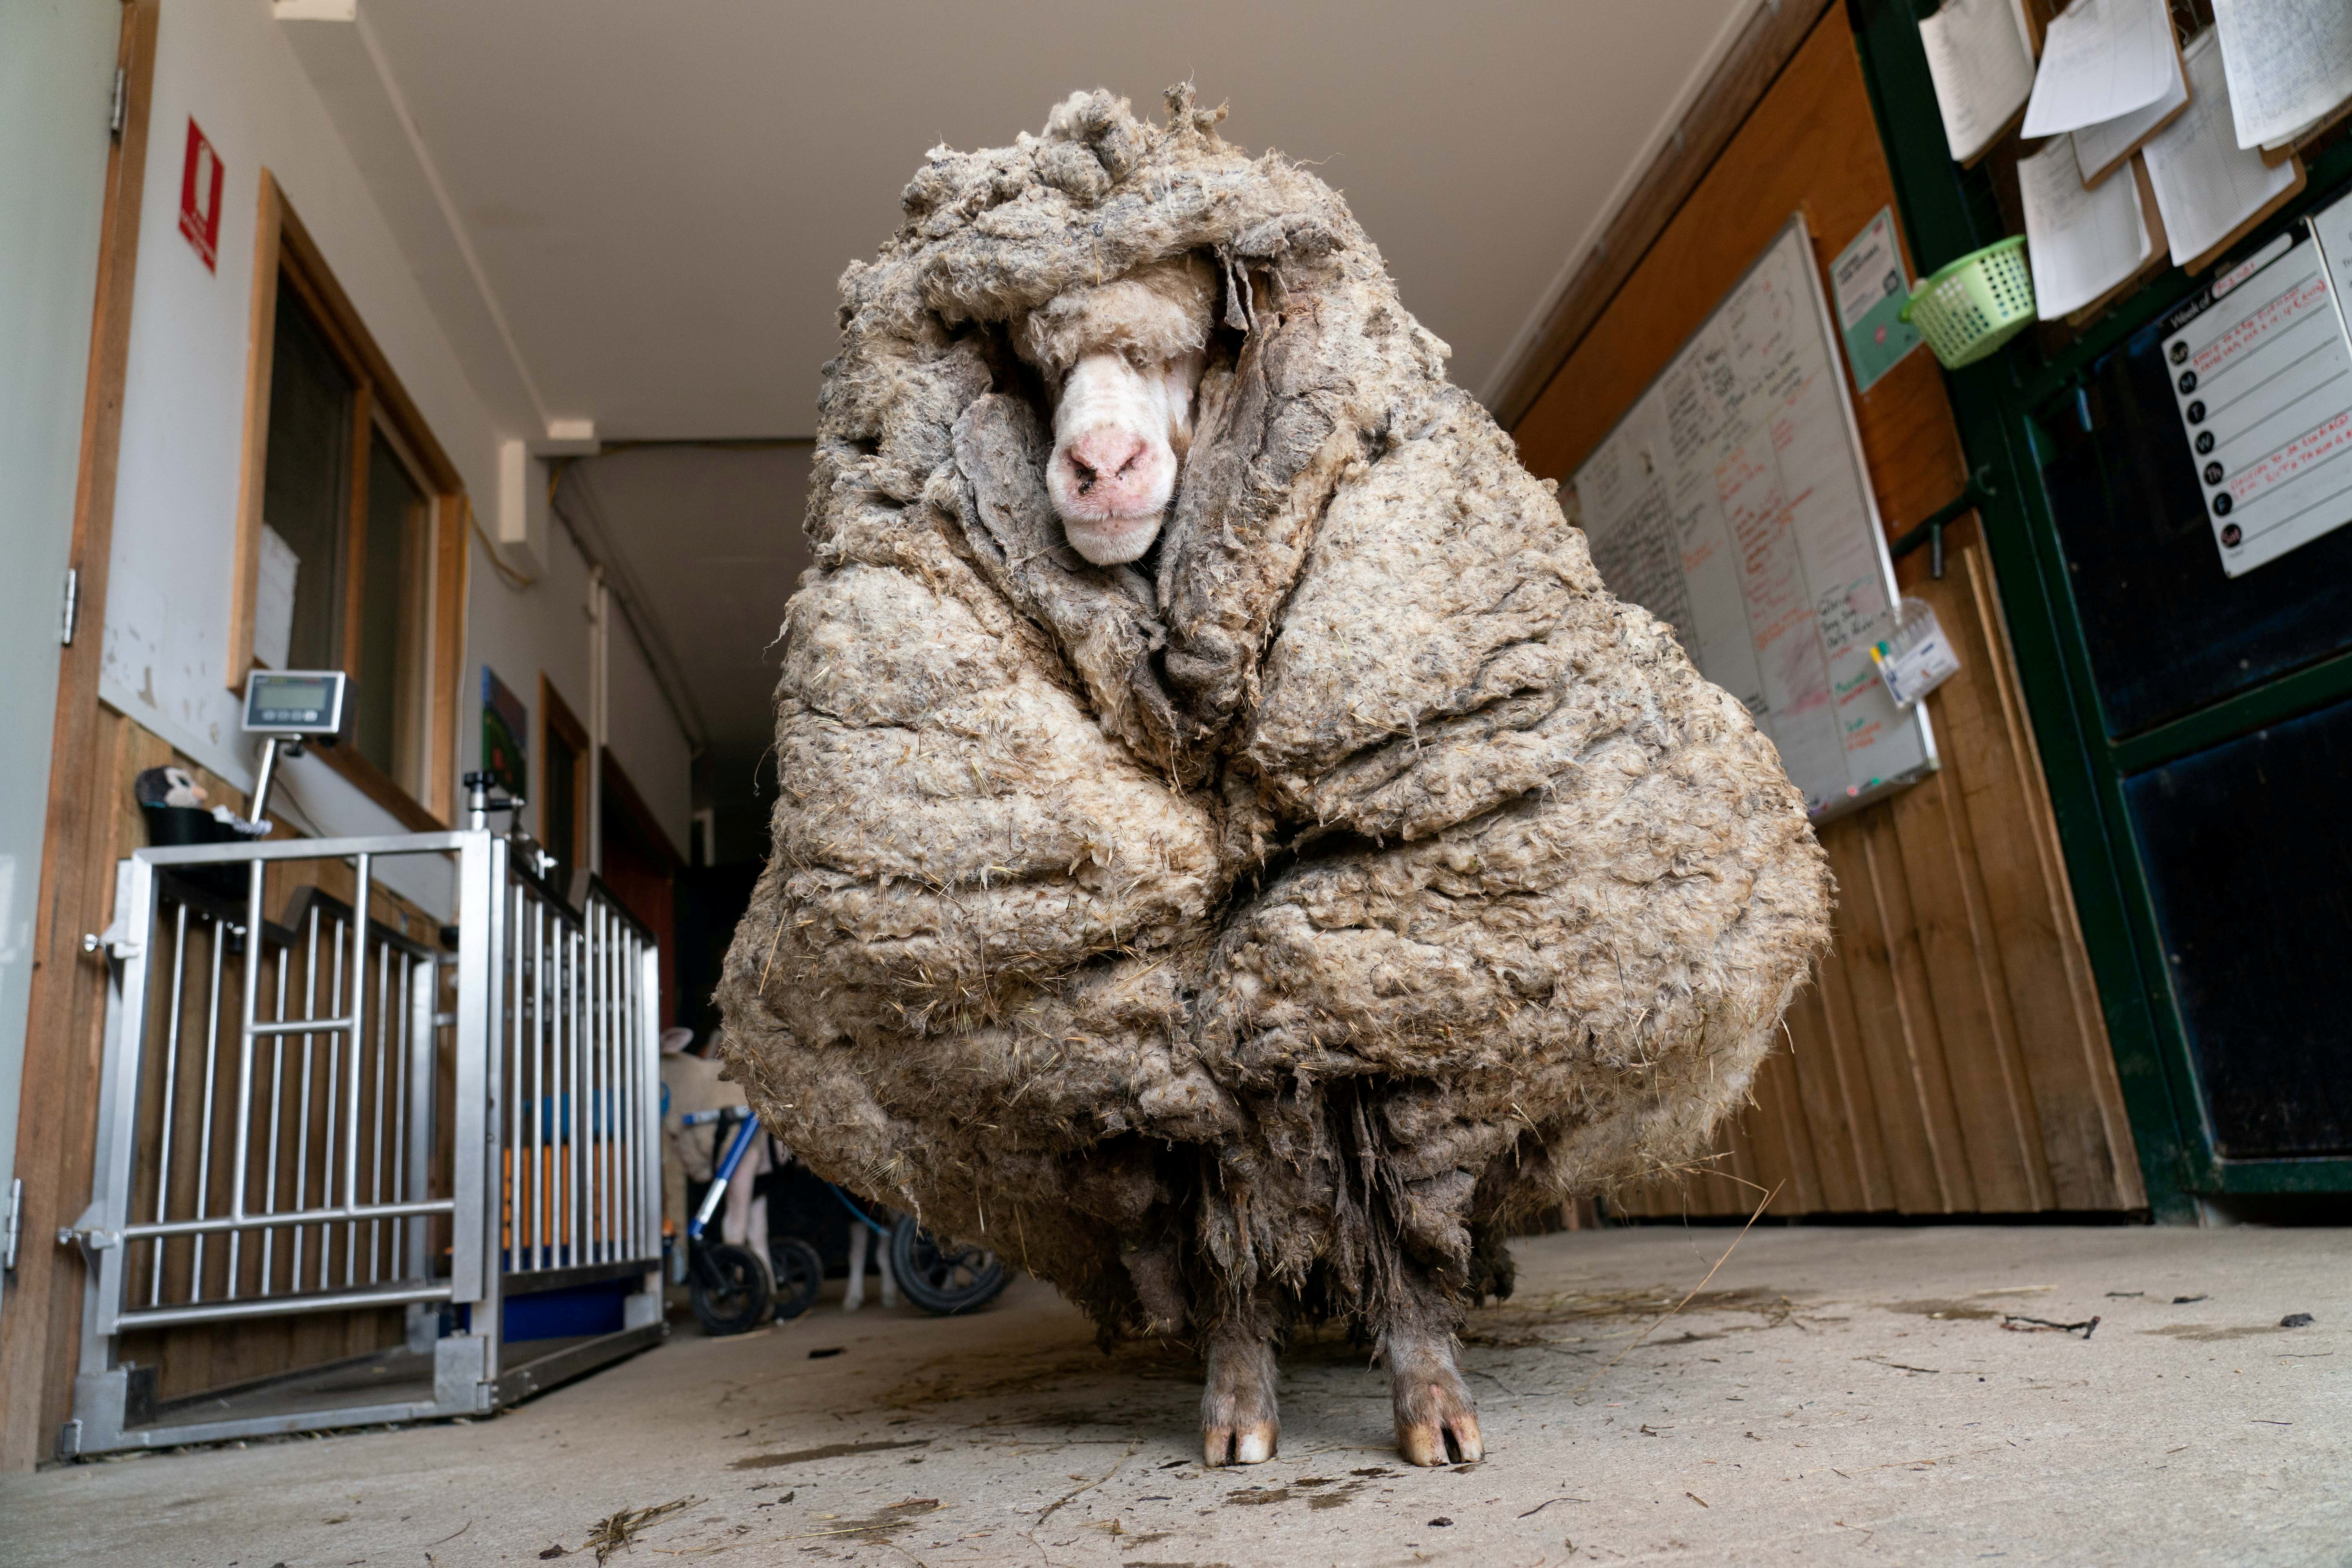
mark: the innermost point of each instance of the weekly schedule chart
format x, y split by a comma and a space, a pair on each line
2261, 362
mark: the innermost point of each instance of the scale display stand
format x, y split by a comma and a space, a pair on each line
292, 708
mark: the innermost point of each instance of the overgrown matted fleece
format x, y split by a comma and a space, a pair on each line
1360, 877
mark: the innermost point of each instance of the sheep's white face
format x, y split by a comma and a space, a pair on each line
1120, 430
1124, 357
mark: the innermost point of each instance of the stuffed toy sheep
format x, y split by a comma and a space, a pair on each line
1233, 858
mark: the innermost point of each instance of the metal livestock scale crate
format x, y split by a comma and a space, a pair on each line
322, 1114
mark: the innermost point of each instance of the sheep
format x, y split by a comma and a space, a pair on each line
1249, 901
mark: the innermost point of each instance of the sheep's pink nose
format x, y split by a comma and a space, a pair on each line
1106, 460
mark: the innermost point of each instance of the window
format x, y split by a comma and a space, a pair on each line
353, 540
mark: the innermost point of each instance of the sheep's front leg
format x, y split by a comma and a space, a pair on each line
1435, 1412
1238, 1422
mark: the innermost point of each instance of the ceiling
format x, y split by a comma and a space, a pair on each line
661, 196
634, 214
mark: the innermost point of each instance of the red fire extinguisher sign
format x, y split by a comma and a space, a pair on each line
200, 198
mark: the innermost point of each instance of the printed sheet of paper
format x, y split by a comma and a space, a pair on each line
2289, 63
1983, 65
1870, 286
1732, 503
2262, 373
273, 599
2206, 184
2101, 149
2080, 243
2101, 61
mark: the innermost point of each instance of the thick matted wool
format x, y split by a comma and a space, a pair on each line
1352, 878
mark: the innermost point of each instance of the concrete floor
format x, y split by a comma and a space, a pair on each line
1835, 1395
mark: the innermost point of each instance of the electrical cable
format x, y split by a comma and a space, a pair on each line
513, 579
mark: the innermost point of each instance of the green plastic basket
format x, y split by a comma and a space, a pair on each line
1970, 308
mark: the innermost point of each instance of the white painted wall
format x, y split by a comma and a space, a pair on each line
542, 629
643, 736
57, 80
231, 67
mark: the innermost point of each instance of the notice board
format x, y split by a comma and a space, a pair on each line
1731, 501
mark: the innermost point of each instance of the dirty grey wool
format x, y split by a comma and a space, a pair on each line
1354, 878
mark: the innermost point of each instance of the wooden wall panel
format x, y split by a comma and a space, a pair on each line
1951, 1058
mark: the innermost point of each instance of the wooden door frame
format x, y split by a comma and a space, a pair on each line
622, 806
556, 717
620, 792
40, 1323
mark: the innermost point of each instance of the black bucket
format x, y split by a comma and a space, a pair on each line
178, 826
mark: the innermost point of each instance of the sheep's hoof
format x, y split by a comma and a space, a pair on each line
1251, 1445
1435, 1412
1238, 1423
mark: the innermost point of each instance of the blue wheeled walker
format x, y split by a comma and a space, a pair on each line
941, 1277
733, 1289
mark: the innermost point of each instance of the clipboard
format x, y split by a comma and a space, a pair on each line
2030, 11
2308, 135
2199, 262
2092, 182
2160, 257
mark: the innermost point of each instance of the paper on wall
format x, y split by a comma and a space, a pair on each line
1870, 285
2101, 60
1983, 64
2101, 149
2262, 375
273, 599
2289, 63
2080, 243
1917, 656
2206, 184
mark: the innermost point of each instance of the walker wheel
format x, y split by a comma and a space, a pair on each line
943, 1277
730, 1290
798, 1273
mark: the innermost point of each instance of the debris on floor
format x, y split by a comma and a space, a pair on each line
2021, 1325
615, 1531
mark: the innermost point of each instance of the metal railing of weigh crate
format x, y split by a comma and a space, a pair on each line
291, 1122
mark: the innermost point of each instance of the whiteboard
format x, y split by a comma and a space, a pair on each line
1731, 502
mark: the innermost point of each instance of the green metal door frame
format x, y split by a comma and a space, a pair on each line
1949, 211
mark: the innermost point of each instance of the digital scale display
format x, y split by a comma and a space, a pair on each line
295, 701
